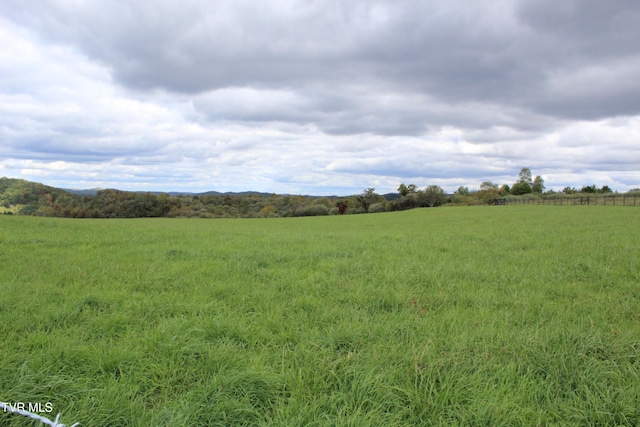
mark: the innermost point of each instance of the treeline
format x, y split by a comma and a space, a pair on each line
524, 187
18, 196
28, 198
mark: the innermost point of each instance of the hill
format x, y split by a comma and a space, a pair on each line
25, 197
18, 196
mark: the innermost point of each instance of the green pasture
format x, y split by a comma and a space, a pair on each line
494, 315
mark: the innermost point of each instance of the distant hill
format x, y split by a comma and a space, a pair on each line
18, 196
23, 192
391, 196
88, 192
93, 191
24, 197
217, 193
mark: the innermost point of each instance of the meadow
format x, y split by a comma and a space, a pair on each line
489, 315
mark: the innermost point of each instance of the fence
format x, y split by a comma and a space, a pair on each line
10, 408
614, 200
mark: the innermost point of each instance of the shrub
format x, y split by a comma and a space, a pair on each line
520, 188
313, 210
28, 210
378, 207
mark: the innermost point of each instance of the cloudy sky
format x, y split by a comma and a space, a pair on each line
319, 96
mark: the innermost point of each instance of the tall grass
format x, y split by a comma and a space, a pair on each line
511, 315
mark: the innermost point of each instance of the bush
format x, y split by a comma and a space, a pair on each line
313, 210
432, 196
462, 200
520, 188
28, 210
378, 207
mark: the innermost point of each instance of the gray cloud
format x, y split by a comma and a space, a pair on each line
525, 54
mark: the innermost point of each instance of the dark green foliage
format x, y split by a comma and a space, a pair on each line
592, 189
313, 210
405, 190
28, 210
431, 196
403, 203
520, 188
589, 189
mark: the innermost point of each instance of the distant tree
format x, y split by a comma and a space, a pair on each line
462, 196
538, 185
606, 189
462, 191
520, 188
433, 196
504, 190
405, 190
569, 190
525, 176
267, 211
589, 189
368, 197
488, 191
488, 185
342, 207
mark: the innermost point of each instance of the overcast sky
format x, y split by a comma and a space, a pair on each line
319, 96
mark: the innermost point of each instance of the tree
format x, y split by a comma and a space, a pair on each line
606, 189
368, 197
520, 188
405, 190
538, 185
525, 176
342, 206
462, 191
488, 191
433, 195
488, 186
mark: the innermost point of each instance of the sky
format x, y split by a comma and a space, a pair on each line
319, 97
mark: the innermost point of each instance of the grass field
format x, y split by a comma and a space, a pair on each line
510, 315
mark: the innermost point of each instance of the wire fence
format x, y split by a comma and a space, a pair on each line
614, 200
16, 410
